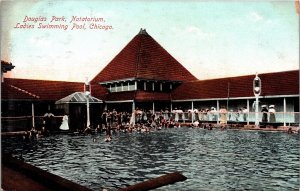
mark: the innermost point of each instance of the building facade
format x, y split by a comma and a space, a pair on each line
146, 76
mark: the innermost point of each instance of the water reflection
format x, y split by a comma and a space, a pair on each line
211, 160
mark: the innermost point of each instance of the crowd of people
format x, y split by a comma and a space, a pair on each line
145, 120
140, 120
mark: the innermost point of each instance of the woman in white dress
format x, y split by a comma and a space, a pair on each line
64, 125
132, 118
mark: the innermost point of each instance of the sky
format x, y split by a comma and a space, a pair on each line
212, 39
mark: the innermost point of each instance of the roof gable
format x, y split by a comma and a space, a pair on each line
144, 58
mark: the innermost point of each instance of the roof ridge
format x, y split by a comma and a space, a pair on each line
139, 52
24, 91
141, 35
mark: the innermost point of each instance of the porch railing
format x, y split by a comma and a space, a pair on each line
287, 118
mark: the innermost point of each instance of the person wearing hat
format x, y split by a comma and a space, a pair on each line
213, 114
264, 111
245, 113
223, 115
272, 114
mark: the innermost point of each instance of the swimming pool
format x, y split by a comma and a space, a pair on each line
211, 160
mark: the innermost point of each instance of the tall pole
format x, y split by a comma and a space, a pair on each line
133, 112
153, 107
284, 111
256, 111
87, 111
248, 109
32, 112
256, 91
193, 112
87, 93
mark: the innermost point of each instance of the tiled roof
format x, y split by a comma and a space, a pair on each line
280, 83
43, 89
144, 58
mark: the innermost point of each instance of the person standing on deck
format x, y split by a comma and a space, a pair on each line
104, 118
223, 115
175, 112
65, 124
48, 120
245, 113
213, 112
109, 118
272, 114
264, 111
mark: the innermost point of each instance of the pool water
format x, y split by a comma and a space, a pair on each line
211, 160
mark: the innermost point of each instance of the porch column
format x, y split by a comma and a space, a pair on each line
171, 107
133, 109
133, 106
88, 123
248, 109
284, 111
153, 107
218, 111
192, 112
32, 113
135, 85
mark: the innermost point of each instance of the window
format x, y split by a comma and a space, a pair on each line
113, 88
119, 87
131, 86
